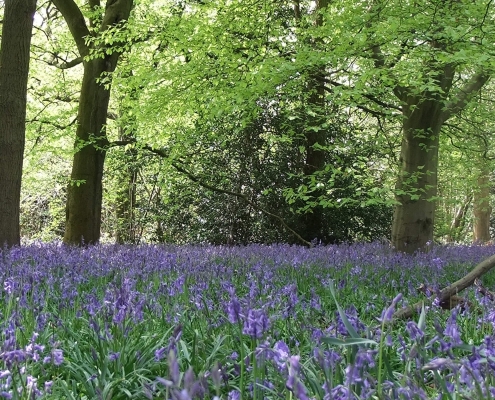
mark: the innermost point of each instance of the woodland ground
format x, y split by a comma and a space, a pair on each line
254, 322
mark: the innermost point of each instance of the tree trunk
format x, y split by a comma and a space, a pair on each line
84, 197
416, 188
315, 140
14, 68
482, 209
423, 116
425, 107
459, 221
126, 202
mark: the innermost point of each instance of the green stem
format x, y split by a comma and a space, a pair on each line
380, 363
255, 367
243, 367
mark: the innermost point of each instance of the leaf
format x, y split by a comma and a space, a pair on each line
422, 318
343, 316
348, 342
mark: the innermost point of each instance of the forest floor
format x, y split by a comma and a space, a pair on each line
252, 322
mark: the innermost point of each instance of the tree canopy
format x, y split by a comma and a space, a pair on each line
245, 121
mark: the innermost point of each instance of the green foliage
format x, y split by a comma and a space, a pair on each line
224, 90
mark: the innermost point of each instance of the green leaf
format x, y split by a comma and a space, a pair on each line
349, 341
343, 316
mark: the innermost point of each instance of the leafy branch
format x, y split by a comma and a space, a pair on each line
182, 169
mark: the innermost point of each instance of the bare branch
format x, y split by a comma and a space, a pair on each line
465, 94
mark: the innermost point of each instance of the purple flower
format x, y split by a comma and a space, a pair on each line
256, 324
58, 357
339, 392
293, 383
388, 313
452, 330
4, 374
9, 285
173, 366
234, 310
14, 356
234, 395
328, 359
48, 386
160, 353
414, 332
281, 354
32, 385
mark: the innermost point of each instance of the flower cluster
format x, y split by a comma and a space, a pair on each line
238, 323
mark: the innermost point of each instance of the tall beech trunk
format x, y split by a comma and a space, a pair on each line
126, 201
416, 189
315, 138
14, 68
482, 209
416, 186
426, 105
84, 197
126, 229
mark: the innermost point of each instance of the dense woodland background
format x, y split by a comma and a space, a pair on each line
239, 121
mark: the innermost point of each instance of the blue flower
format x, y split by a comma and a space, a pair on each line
256, 324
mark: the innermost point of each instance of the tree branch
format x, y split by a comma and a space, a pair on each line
445, 294
76, 23
116, 11
205, 185
367, 95
465, 94
379, 60
66, 64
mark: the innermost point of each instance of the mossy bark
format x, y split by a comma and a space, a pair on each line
84, 197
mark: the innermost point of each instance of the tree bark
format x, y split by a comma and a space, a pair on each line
14, 69
423, 117
446, 293
482, 209
459, 221
84, 197
416, 187
315, 139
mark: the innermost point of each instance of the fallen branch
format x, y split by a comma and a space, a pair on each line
483, 290
451, 302
445, 294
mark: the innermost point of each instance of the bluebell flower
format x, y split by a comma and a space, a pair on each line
234, 310
256, 323
281, 354
160, 353
293, 383
58, 357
